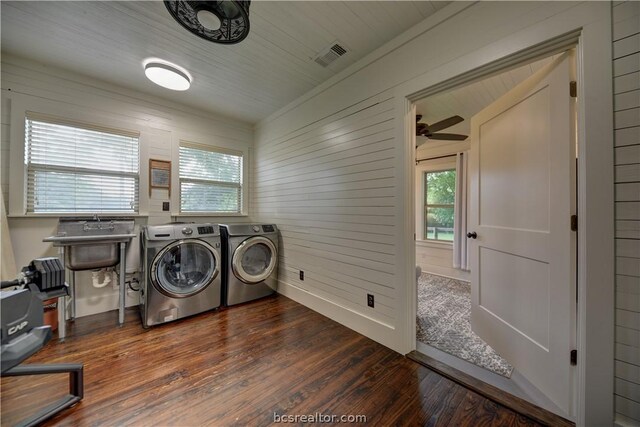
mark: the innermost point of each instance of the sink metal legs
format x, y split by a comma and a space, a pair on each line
62, 303
62, 317
72, 292
123, 290
71, 280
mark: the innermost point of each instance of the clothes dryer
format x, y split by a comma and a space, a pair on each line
251, 262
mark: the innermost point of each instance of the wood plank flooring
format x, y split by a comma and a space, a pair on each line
239, 366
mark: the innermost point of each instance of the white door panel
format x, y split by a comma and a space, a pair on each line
522, 196
516, 278
515, 148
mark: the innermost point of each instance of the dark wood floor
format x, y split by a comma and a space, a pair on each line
239, 366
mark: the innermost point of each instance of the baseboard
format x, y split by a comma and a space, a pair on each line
380, 332
622, 421
445, 276
103, 303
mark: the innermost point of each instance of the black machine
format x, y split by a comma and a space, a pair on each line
23, 333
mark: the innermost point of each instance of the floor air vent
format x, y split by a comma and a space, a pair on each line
330, 54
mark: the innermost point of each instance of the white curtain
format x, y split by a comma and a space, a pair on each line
460, 250
8, 264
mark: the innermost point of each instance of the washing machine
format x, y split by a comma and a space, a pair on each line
251, 262
181, 271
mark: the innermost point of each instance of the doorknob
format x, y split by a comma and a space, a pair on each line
472, 235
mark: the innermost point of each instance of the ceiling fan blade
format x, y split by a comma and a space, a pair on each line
448, 136
443, 124
421, 141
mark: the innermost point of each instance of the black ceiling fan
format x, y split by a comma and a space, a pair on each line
219, 21
431, 131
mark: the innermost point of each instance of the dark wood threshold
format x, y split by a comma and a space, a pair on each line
490, 392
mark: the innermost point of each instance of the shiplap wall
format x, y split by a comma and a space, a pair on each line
330, 188
626, 67
438, 259
343, 205
162, 124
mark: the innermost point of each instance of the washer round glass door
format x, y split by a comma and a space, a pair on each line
254, 259
184, 268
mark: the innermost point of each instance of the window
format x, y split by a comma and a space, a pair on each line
210, 179
439, 198
79, 169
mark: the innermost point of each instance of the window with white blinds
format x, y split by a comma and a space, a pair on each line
210, 180
76, 169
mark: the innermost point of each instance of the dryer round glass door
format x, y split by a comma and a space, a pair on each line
184, 268
254, 259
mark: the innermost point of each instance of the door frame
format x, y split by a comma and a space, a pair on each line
595, 307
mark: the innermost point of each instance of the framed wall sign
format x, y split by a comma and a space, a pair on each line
159, 175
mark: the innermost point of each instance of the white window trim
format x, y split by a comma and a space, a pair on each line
421, 169
20, 105
215, 143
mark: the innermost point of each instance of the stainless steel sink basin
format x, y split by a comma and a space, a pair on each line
92, 243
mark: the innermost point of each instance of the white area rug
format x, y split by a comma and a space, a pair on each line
444, 322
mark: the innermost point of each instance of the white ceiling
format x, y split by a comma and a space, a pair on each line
468, 100
250, 80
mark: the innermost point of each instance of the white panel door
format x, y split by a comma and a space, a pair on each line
522, 259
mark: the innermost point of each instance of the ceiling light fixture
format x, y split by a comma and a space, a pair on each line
167, 75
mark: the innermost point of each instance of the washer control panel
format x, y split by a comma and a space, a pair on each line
255, 228
187, 231
206, 230
268, 228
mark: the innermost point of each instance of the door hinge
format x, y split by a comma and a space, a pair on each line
574, 222
574, 357
573, 89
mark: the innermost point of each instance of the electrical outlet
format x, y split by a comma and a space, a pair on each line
302, 275
165, 206
370, 300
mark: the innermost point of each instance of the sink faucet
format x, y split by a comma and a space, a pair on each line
89, 227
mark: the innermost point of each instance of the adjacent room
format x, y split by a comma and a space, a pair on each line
320, 212
449, 179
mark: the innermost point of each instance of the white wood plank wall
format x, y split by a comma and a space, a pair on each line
626, 66
324, 171
438, 259
5, 119
161, 122
329, 186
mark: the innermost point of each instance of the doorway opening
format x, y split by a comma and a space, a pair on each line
484, 281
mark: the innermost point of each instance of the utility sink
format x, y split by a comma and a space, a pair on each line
92, 243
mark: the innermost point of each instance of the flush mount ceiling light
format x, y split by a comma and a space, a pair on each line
167, 75
224, 21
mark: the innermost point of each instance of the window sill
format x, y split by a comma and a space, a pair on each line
434, 244
209, 214
75, 215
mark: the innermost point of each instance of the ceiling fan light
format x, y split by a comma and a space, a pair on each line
201, 18
167, 75
209, 20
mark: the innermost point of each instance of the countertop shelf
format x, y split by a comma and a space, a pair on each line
73, 240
